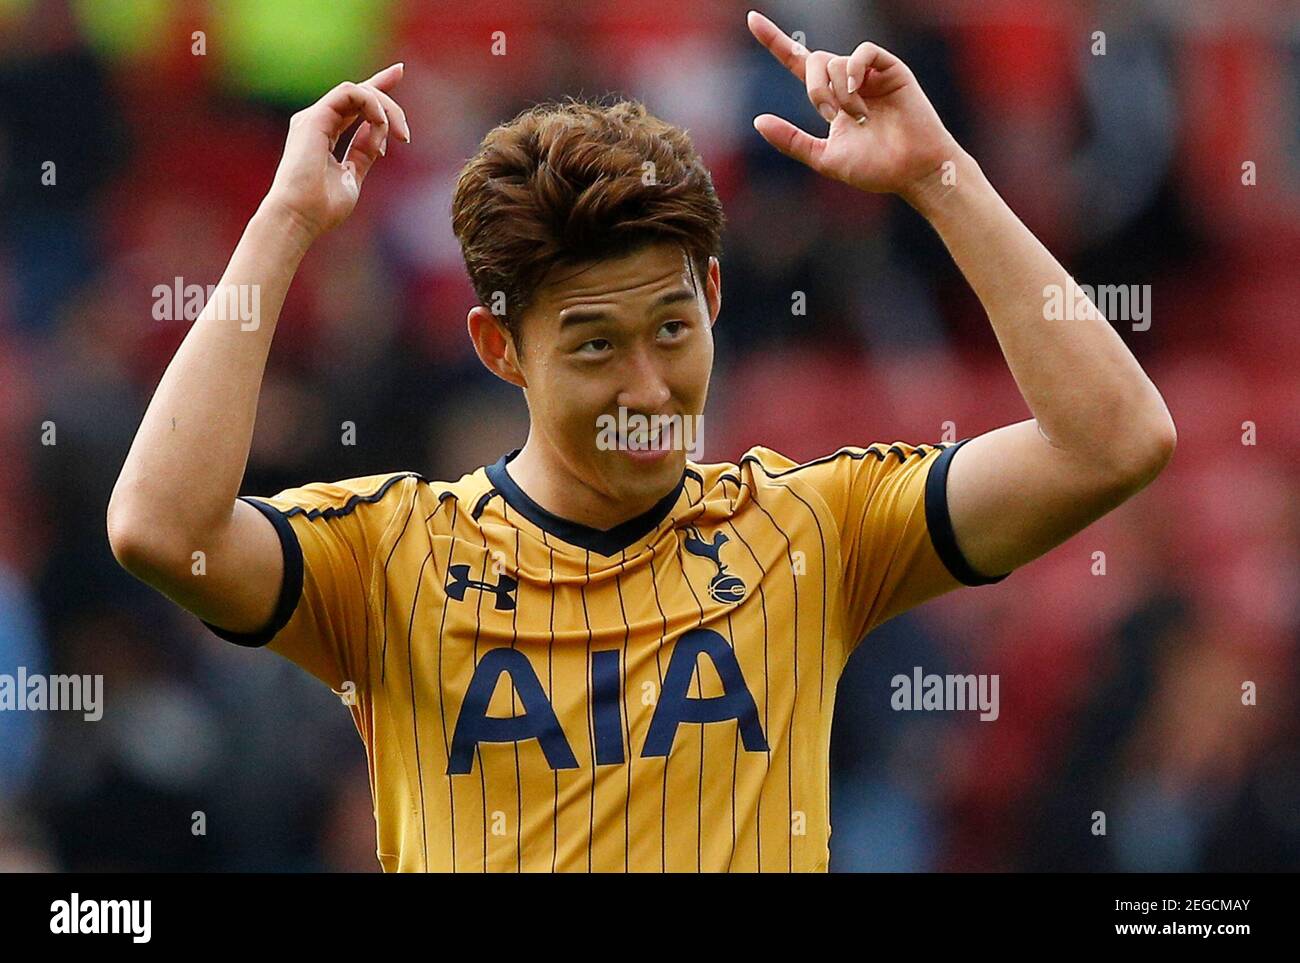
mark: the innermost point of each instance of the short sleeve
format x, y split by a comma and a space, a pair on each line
330, 536
897, 543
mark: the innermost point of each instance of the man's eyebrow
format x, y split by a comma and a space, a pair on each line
588, 315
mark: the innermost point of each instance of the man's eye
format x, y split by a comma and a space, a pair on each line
594, 346
678, 327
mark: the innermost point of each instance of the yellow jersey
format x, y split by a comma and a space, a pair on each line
536, 695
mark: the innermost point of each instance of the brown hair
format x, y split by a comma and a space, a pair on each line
568, 182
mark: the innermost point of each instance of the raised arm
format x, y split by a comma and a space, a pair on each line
176, 493
1100, 430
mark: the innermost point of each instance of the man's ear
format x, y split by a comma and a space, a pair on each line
494, 346
713, 290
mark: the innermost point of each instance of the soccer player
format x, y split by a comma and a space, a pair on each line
598, 653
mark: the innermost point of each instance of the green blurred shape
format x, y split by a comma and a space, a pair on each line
10, 10
126, 29
292, 51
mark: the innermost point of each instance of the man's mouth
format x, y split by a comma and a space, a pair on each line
645, 438
643, 445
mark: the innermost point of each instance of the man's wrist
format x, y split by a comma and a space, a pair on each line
283, 225
951, 182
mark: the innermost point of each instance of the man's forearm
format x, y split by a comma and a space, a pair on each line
187, 462
1082, 384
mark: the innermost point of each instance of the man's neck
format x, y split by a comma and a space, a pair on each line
548, 483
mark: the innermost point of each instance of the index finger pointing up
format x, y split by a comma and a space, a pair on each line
387, 78
782, 47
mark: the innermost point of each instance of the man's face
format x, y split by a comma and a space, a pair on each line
633, 333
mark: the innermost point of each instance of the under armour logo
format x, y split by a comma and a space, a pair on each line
722, 587
460, 581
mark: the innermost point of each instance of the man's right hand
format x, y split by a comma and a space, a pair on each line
311, 187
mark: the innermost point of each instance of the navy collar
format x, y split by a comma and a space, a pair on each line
608, 542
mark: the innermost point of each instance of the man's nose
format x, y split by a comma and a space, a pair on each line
645, 388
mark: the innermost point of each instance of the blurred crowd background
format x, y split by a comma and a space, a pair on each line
1171, 160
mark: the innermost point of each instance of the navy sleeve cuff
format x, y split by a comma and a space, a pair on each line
290, 584
939, 522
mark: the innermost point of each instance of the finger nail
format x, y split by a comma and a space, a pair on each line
828, 112
383, 147
853, 84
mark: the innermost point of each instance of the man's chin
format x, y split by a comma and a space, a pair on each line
642, 478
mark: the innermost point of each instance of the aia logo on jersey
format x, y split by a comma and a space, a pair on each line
723, 588
603, 723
